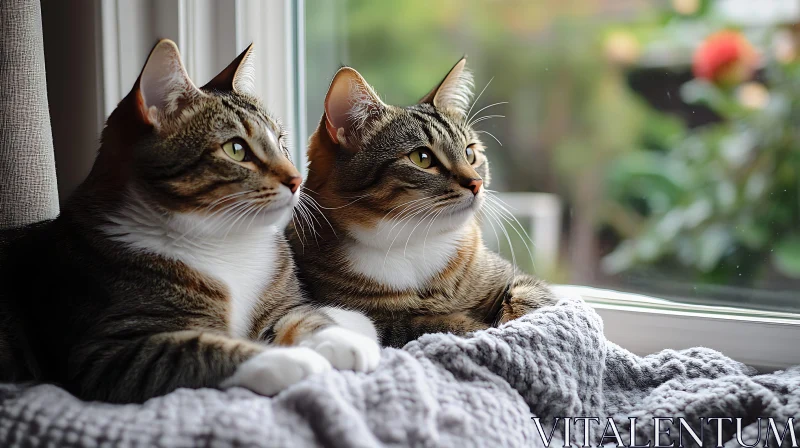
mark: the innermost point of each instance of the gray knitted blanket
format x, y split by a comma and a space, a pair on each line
443, 390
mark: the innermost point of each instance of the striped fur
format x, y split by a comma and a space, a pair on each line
404, 244
168, 267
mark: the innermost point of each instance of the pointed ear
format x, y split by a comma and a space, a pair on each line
349, 106
239, 76
455, 90
164, 87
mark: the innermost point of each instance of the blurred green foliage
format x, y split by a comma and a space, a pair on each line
721, 203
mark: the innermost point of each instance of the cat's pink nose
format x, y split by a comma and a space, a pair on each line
473, 185
293, 183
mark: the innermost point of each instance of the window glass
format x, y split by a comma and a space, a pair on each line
647, 146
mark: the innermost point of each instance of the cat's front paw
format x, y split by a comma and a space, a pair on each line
513, 308
523, 299
276, 369
345, 349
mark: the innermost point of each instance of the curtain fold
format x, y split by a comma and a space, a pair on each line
28, 188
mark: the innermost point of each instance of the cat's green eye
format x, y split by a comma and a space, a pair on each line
422, 158
235, 150
470, 153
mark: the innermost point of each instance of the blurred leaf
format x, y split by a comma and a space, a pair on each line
620, 260
786, 256
662, 132
698, 91
752, 235
648, 172
712, 243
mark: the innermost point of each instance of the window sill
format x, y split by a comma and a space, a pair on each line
765, 340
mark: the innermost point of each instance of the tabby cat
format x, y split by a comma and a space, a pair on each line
168, 267
400, 187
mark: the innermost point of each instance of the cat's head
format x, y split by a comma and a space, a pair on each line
204, 155
375, 165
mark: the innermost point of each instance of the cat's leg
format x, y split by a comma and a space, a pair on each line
138, 369
345, 338
524, 295
396, 332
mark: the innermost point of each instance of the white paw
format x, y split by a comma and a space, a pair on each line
352, 320
345, 349
276, 369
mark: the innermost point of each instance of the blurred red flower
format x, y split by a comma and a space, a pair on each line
725, 58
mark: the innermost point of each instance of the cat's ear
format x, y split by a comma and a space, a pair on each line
164, 87
239, 76
350, 105
455, 90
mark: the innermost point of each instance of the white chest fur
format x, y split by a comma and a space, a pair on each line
243, 262
245, 265
402, 267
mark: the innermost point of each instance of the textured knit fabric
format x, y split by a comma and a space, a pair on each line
28, 189
441, 390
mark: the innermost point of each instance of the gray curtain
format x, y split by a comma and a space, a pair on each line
28, 188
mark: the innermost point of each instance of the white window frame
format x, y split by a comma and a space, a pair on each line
211, 32
644, 325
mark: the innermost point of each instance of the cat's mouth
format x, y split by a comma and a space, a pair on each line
466, 206
272, 211
269, 204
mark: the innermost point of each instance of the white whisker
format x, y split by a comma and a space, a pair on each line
313, 202
411, 211
411, 233
226, 212
484, 108
516, 226
307, 207
484, 118
242, 213
299, 238
490, 135
357, 198
493, 213
223, 209
428, 231
513, 217
301, 208
475, 101
404, 203
407, 221
488, 220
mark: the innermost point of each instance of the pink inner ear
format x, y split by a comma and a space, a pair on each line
332, 130
350, 104
164, 83
159, 79
338, 103
141, 108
